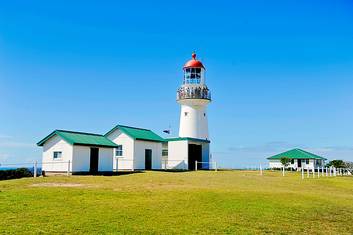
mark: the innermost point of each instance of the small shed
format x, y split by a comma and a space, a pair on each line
137, 148
76, 152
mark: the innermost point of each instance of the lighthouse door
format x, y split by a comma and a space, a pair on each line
195, 154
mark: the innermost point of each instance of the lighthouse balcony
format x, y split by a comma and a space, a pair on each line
193, 93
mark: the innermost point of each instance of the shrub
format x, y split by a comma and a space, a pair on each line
15, 174
336, 163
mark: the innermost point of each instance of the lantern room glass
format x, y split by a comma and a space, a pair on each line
192, 76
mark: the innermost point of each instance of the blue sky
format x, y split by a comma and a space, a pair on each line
280, 72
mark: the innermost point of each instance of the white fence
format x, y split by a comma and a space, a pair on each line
168, 164
38, 167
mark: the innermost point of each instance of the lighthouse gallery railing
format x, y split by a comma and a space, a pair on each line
193, 93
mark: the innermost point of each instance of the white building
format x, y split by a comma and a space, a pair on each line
137, 148
193, 97
131, 148
193, 144
76, 152
184, 152
298, 159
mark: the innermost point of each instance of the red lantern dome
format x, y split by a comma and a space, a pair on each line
193, 63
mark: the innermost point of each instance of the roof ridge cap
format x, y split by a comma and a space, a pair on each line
132, 127
78, 132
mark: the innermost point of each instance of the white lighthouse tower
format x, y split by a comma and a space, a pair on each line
193, 96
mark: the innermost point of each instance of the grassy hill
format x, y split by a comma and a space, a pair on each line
185, 202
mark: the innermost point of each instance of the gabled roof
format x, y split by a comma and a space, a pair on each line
80, 138
188, 139
137, 133
297, 154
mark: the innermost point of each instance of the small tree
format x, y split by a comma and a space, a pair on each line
349, 166
336, 164
285, 161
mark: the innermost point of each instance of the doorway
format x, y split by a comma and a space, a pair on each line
93, 165
195, 154
299, 163
148, 159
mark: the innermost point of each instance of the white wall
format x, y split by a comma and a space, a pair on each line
105, 161
195, 123
124, 162
178, 155
278, 164
81, 158
56, 143
206, 155
82, 155
139, 154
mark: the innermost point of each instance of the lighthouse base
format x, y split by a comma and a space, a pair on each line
185, 153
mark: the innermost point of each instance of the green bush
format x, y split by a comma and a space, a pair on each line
15, 174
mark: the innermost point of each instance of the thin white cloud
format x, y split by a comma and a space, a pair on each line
5, 136
7, 141
14, 144
4, 157
239, 156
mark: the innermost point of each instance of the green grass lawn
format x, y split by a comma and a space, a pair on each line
178, 203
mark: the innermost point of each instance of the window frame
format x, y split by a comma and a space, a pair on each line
55, 155
119, 151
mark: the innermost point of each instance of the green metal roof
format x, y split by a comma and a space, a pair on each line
188, 139
296, 154
137, 133
80, 138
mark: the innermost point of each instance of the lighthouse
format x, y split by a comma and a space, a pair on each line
193, 97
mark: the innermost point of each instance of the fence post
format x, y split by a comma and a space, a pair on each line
318, 172
313, 172
195, 165
326, 172
322, 171
260, 169
302, 170
283, 171
68, 168
35, 169
215, 163
307, 173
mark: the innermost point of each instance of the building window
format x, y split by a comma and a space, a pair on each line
306, 161
164, 152
185, 113
57, 155
204, 114
119, 151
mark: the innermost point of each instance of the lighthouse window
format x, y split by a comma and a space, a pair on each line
192, 76
185, 113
